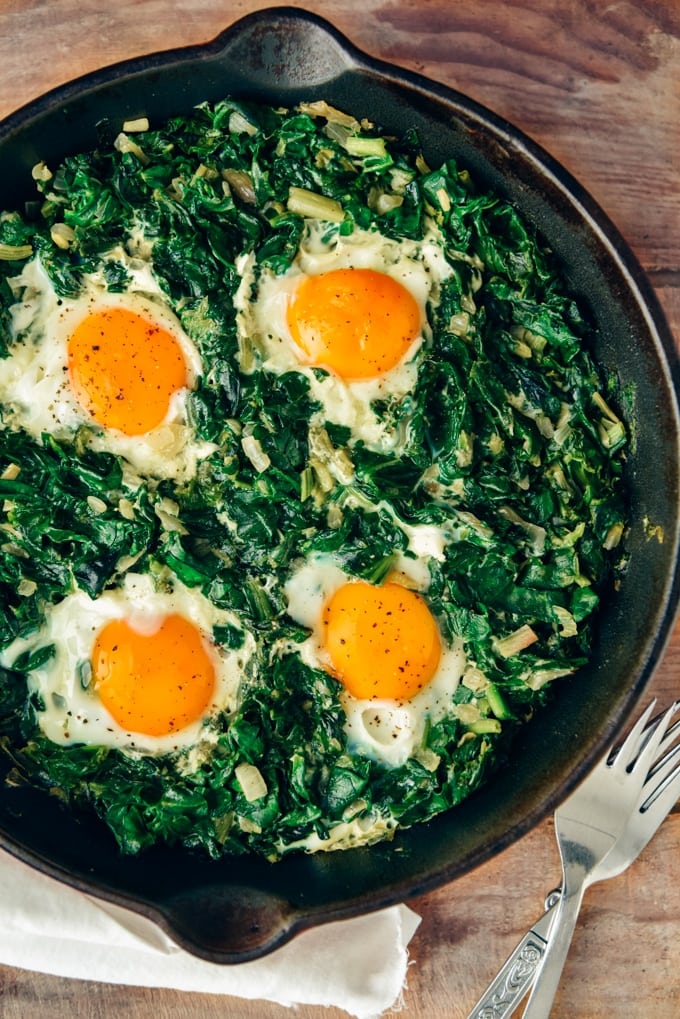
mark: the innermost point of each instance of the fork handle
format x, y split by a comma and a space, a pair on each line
505, 992
550, 967
512, 981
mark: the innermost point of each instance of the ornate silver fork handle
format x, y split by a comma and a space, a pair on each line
515, 976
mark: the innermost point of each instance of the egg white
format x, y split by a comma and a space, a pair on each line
387, 731
73, 713
34, 380
263, 297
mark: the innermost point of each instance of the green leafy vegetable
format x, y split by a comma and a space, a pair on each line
510, 448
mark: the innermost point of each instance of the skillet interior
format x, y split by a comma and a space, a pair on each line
237, 909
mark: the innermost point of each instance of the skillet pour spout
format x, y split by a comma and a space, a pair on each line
233, 910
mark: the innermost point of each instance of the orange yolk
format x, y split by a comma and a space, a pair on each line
157, 683
124, 369
383, 642
357, 323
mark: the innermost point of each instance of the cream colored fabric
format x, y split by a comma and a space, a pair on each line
358, 965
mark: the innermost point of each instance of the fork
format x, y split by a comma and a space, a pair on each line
601, 829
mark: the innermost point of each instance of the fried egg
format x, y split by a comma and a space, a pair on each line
355, 306
384, 645
136, 668
117, 364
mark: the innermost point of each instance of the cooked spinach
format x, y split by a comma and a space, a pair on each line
512, 444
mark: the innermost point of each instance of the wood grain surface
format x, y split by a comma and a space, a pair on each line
598, 85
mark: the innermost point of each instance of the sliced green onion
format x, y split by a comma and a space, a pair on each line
15, 252
357, 145
485, 726
257, 456
567, 623
238, 124
497, 702
612, 434
125, 144
249, 777
314, 206
320, 108
136, 126
613, 537
62, 235
306, 483
41, 172
515, 642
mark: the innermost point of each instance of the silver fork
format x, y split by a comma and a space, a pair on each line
601, 829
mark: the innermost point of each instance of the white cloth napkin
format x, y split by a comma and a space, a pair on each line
358, 965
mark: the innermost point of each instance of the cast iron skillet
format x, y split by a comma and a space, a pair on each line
240, 908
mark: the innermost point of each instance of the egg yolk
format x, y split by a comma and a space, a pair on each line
357, 323
383, 642
124, 369
153, 683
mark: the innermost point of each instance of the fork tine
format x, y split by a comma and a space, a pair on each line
672, 733
649, 752
662, 799
636, 740
664, 776
664, 766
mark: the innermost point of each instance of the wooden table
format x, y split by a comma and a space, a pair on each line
598, 84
